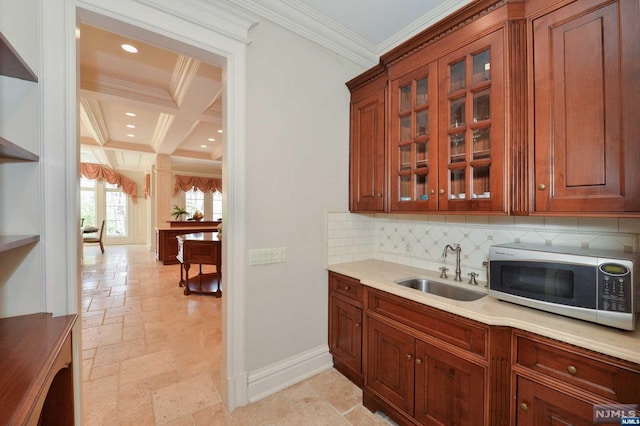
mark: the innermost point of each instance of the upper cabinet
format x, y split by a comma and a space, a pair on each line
413, 140
508, 107
367, 148
585, 69
447, 131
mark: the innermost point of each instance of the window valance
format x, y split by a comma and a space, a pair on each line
204, 184
100, 173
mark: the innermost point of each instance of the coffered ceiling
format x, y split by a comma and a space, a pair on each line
177, 100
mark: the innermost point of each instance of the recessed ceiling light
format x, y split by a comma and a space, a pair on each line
131, 126
219, 130
211, 139
129, 48
203, 146
131, 135
130, 114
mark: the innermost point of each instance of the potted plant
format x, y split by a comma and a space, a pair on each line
179, 212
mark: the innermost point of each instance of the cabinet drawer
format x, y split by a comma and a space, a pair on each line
456, 331
346, 286
585, 369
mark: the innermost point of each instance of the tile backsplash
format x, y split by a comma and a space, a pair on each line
419, 240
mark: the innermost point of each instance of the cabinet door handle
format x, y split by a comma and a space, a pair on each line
441, 191
542, 187
379, 195
524, 406
418, 361
409, 356
357, 325
572, 370
432, 191
347, 288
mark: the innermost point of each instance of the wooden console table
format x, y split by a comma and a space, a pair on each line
166, 244
36, 384
202, 249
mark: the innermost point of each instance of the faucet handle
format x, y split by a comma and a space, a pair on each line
473, 276
444, 270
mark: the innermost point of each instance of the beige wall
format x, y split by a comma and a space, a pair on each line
297, 169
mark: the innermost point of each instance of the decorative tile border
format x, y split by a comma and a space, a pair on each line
419, 240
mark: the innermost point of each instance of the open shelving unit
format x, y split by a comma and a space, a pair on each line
12, 65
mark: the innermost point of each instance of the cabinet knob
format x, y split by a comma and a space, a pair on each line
379, 195
524, 406
418, 361
347, 288
432, 191
441, 191
572, 370
357, 325
409, 356
542, 187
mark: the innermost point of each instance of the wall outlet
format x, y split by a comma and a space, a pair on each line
268, 255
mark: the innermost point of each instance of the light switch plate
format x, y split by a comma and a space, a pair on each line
267, 255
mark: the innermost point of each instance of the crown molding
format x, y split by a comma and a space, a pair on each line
305, 21
219, 16
296, 16
425, 21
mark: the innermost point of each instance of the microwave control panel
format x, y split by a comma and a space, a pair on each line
614, 288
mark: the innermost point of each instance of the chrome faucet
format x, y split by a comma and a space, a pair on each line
457, 251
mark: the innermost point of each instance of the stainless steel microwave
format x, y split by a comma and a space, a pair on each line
600, 286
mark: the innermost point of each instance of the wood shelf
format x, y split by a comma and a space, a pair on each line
12, 64
36, 386
12, 151
10, 242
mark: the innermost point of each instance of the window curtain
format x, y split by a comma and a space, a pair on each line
203, 184
100, 173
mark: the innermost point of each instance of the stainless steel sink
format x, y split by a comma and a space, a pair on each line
441, 289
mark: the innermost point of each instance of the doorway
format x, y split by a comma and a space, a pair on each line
182, 35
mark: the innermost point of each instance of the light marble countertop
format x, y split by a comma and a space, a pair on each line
489, 310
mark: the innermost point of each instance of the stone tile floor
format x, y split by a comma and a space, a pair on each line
151, 355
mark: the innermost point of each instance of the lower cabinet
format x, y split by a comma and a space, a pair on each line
427, 384
421, 365
541, 405
345, 326
559, 384
426, 366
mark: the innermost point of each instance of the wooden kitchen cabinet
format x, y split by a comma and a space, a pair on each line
472, 127
447, 138
367, 143
345, 325
446, 118
556, 382
428, 367
585, 64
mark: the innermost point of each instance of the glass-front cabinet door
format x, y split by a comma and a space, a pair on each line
472, 137
413, 141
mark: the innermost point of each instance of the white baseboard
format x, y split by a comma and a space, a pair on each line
276, 377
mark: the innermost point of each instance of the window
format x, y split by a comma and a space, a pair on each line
194, 200
88, 202
217, 205
100, 201
115, 211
